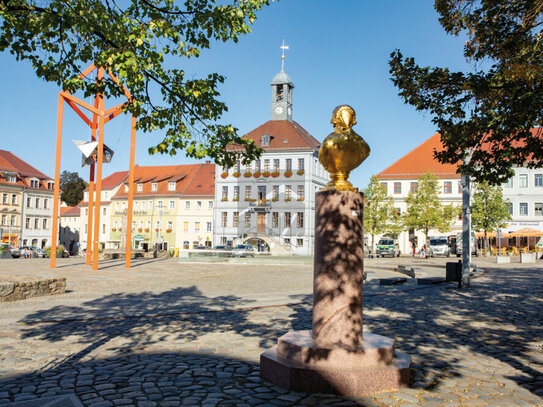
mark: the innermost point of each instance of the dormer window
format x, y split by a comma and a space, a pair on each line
140, 187
50, 185
11, 178
154, 186
171, 186
265, 140
125, 187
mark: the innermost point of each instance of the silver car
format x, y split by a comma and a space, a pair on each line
243, 250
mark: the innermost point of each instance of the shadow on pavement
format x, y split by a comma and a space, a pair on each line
450, 333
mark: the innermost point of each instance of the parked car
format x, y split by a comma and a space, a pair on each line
388, 246
439, 246
15, 252
243, 250
460, 247
222, 247
37, 252
200, 248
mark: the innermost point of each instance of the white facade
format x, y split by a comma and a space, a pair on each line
69, 228
106, 209
278, 210
450, 194
525, 193
194, 222
37, 214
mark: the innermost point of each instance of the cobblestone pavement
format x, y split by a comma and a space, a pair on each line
165, 334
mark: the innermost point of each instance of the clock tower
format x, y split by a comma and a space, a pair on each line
282, 93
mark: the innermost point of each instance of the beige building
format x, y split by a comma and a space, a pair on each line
110, 186
173, 208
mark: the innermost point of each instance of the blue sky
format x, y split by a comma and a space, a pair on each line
338, 55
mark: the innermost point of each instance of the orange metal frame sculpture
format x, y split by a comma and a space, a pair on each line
100, 117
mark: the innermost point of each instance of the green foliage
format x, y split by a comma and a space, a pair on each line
142, 42
379, 213
72, 187
489, 209
497, 104
424, 210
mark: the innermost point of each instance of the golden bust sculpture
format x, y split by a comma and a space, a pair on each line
343, 150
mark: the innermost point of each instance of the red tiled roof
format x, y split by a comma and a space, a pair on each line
22, 167
70, 211
285, 135
191, 179
111, 181
420, 160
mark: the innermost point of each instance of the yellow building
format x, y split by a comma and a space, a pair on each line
173, 207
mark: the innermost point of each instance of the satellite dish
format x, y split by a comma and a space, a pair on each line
89, 151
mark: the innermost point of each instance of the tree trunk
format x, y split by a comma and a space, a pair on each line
486, 243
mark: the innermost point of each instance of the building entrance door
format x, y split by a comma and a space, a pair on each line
261, 222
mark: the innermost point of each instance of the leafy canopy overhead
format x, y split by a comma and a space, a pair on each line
142, 42
499, 102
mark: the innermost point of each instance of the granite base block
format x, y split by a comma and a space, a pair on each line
297, 363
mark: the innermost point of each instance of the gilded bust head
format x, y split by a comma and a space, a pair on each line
343, 118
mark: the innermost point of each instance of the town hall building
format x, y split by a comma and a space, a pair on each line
270, 202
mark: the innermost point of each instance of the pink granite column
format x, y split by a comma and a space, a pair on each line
338, 268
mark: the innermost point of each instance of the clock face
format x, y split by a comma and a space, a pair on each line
279, 109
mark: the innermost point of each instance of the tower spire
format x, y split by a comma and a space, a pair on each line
283, 48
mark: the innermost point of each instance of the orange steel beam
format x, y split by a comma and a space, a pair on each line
114, 109
79, 112
113, 115
87, 71
56, 194
79, 102
96, 237
91, 188
100, 117
128, 255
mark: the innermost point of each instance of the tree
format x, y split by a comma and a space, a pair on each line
72, 187
142, 42
488, 112
489, 209
379, 213
424, 210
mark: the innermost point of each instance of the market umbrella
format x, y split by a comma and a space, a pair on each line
527, 232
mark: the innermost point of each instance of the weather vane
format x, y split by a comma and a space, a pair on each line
283, 48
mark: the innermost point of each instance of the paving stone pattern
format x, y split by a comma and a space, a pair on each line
479, 347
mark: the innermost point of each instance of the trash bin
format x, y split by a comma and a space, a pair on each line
177, 252
453, 271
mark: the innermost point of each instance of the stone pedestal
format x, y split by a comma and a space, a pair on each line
337, 356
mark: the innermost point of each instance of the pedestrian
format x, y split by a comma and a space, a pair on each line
423, 254
414, 249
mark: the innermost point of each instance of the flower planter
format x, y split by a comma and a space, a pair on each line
113, 229
288, 174
275, 174
140, 230
168, 231
266, 174
224, 174
257, 174
146, 230
247, 175
300, 172
236, 174
288, 199
275, 199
